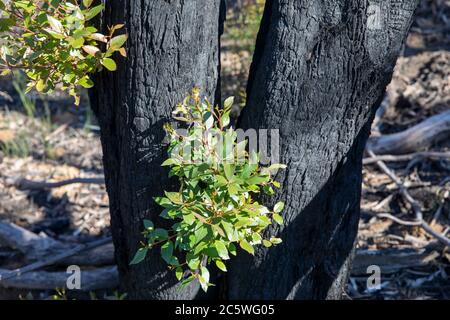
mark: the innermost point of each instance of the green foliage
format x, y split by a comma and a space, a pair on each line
214, 210
53, 43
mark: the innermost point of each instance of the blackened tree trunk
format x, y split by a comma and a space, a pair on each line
319, 72
173, 46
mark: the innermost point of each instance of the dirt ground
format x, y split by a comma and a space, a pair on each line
48, 139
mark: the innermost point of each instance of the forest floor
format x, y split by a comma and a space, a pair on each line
48, 139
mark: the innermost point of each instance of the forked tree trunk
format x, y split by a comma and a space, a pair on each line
173, 46
319, 73
320, 70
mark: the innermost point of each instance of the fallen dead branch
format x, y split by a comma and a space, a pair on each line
33, 246
389, 216
36, 247
53, 259
414, 204
407, 157
392, 260
95, 279
418, 137
24, 184
48, 251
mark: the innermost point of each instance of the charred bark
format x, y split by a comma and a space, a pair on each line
319, 72
173, 46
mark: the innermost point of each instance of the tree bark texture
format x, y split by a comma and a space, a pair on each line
172, 47
319, 72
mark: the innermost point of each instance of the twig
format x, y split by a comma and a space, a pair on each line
414, 204
53, 259
393, 218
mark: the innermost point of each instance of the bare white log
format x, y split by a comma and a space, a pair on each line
38, 248
52, 259
94, 279
33, 246
391, 260
416, 138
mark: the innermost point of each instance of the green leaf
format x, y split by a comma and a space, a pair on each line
275, 241
208, 119
193, 262
168, 162
204, 278
221, 265
109, 64
225, 119
278, 219
167, 251
189, 218
161, 234
199, 248
148, 225
92, 13
222, 250
179, 273
175, 197
87, 3
275, 167
221, 181
233, 188
54, 34
163, 201
6, 72
229, 230
232, 249
40, 85
76, 43
139, 256
6, 24
257, 180
229, 171
267, 243
278, 207
86, 82
228, 103
117, 42
200, 234
55, 24
247, 246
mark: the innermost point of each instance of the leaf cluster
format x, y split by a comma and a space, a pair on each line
214, 210
53, 42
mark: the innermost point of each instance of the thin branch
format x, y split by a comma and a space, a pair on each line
407, 157
414, 204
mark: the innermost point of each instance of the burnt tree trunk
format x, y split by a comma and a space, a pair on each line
319, 72
173, 46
